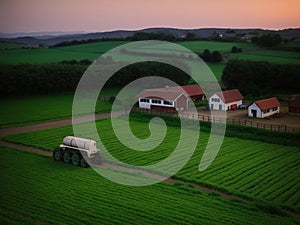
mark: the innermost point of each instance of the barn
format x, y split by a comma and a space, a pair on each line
294, 105
226, 100
264, 108
170, 98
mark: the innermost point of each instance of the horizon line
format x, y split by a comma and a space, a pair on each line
154, 27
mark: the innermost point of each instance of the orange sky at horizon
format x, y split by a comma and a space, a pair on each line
95, 15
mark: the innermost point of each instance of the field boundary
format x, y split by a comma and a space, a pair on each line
232, 121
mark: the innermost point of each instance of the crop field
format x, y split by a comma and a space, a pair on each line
48, 55
9, 46
34, 109
14, 54
252, 169
38, 190
222, 47
269, 56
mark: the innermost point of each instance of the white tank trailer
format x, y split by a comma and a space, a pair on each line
78, 151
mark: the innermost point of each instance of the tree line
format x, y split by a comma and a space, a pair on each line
261, 78
208, 56
43, 79
267, 40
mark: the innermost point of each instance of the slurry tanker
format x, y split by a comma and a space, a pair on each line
78, 151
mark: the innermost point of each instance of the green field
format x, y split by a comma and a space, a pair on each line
222, 47
15, 54
34, 109
48, 55
9, 46
37, 190
254, 169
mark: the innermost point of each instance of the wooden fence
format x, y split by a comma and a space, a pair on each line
233, 121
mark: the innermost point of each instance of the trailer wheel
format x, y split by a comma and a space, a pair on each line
57, 154
66, 157
75, 159
83, 163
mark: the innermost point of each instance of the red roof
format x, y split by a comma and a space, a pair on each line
157, 94
267, 103
295, 102
171, 93
230, 95
193, 90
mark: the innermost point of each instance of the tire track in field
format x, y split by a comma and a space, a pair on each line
82, 119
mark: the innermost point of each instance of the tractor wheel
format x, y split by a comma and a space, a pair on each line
57, 154
75, 159
67, 157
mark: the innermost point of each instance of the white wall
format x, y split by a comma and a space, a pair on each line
215, 105
260, 113
270, 113
146, 105
253, 106
224, 106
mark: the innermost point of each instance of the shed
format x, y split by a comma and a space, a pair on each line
226, 100
294, 105
264, 108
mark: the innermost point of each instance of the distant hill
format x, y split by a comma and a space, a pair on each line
51, 38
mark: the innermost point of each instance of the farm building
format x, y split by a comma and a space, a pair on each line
294, 105
170, 98
226, 100
264, 108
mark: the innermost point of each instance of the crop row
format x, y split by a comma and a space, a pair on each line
255, 169
29, 110
36, 190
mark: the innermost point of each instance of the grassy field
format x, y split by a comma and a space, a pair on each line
34, 109
15, 54
254, 169
222, 47
273, 56
37, 190
48, 55
9, 46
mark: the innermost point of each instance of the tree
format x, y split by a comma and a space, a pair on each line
235, 49
255, 78
216, 57
206, 55
190, 36
268, 40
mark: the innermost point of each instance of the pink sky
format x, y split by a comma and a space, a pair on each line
105, 15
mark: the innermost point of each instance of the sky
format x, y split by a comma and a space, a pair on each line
107, 15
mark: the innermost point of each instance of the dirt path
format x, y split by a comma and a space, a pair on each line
55, 124
59, 123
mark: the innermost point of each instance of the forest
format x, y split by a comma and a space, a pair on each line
260, 78
50, 78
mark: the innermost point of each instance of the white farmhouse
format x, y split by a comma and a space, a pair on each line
264, 108
226, 100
